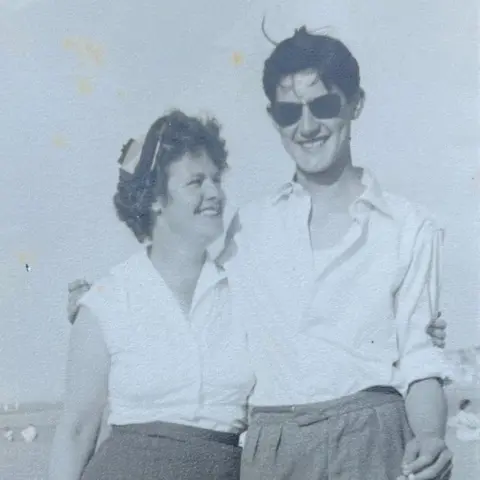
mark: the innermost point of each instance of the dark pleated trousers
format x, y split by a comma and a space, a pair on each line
359, 437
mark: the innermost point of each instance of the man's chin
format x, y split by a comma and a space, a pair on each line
313, 167
311, 162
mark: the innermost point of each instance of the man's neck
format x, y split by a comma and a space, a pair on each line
334, 190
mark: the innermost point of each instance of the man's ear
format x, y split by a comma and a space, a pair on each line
269, 111
359, 103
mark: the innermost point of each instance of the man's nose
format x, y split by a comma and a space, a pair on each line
308, 126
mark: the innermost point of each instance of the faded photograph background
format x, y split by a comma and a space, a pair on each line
79, 80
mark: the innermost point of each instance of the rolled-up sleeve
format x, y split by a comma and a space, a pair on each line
416, 303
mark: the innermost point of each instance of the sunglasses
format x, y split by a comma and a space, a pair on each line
289, 113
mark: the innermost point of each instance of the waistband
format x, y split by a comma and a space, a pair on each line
307, 414
176, 431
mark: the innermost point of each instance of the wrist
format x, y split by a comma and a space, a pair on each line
430, 435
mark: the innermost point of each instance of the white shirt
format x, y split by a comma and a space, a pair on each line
165, 367
331, 324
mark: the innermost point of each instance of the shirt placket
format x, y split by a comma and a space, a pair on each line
195, 334
338, 255
300, 250
184, 331
198, 331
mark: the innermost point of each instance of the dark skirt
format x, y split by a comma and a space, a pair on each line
165, 451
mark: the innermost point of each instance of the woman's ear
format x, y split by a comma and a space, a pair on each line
157, 207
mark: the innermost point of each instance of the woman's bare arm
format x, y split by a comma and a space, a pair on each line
85, 399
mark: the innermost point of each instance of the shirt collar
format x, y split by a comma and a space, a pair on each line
372, 195
213, 271
211, 274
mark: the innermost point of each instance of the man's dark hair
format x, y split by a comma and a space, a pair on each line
328, 56
168, 139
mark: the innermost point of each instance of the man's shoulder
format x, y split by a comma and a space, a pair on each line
408, 214
257, 204
415, 224
245, 227
257, 209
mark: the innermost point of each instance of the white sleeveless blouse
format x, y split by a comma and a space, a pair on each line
166, 367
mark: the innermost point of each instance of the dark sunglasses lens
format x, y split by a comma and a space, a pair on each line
286, 114
327, 106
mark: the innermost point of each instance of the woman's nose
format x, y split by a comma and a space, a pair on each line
211, 189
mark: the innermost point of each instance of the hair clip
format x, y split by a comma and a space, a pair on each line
131, 155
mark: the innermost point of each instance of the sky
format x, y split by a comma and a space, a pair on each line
80, 80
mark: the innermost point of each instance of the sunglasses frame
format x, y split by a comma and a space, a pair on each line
339, 106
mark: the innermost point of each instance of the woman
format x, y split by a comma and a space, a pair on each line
154, 337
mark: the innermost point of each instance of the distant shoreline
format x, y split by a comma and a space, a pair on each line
41, 415
28, 408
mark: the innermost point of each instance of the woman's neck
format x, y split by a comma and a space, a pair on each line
180, 265
170, 254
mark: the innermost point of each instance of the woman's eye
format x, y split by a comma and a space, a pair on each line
195, 182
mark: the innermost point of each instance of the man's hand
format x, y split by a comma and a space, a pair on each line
437, 329
76, 289
427, 458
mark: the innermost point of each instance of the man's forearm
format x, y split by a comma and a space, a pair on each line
426, 407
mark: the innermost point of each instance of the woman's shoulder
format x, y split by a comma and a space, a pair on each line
112, 285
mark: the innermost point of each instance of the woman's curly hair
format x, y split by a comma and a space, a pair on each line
168, 139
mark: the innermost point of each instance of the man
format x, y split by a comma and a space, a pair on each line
336, 282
